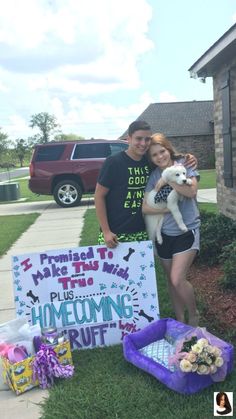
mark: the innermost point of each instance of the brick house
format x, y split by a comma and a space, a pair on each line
188, 125
219, 62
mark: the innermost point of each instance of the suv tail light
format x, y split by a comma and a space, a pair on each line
31, 170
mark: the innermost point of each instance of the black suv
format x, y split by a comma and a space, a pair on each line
68, 169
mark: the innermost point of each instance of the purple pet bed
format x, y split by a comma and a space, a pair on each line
166, 333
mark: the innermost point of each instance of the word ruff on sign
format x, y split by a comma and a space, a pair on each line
95, 294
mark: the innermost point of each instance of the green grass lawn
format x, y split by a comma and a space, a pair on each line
105, 386
207, 179
209, 207
12, 227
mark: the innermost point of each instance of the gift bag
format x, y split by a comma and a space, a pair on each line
17, 332
19, 377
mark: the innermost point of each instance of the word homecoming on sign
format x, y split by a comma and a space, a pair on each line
79, 263
86, 310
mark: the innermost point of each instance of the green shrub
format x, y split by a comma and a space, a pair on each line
217, 231
228, 257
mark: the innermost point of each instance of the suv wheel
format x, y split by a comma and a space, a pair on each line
67, 193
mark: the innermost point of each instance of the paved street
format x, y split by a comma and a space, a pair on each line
12, 174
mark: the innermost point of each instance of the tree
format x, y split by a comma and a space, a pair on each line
35, 139
6, 151
45, 123
3, 142
21, 148
68, 137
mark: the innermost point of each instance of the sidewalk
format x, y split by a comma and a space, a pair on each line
207, 195
55, 228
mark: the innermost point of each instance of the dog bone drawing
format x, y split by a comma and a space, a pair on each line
31, 295
129, 254
141, 313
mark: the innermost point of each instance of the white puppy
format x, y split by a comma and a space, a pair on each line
177, 174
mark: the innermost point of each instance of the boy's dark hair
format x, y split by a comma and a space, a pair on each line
137, 125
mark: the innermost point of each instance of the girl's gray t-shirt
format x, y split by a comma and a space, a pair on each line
188, 206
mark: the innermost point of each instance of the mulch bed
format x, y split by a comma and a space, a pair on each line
220, 304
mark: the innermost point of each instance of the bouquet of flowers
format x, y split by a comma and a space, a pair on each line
198, 355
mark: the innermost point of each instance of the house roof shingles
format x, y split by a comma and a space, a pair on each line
179, 118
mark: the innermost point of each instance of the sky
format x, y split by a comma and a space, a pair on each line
97, 65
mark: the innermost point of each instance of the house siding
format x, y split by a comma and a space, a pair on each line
226, 196
201, 146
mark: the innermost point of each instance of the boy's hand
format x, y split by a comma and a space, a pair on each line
110, 239
190, 161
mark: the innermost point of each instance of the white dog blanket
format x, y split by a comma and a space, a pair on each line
166, 198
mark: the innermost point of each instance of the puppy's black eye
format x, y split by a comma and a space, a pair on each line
177, 174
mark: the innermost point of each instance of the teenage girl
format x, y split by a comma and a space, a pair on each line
178, 249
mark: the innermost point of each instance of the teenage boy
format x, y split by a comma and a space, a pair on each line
120, 189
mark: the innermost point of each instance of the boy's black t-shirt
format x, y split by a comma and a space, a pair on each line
126, 179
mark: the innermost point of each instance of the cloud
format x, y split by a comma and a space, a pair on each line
37, 36
85, 118
167, 97
17, 127
3, 88
57, 52
106, 120
46, 57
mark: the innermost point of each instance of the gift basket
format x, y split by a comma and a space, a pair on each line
31, 356
184, 358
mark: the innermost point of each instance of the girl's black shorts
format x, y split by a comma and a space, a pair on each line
172, 245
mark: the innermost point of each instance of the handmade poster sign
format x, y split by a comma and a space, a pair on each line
95, 294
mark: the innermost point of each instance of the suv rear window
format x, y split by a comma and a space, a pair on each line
91, 151
96, 151
50, 153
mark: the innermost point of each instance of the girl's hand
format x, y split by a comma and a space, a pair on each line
161, 182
